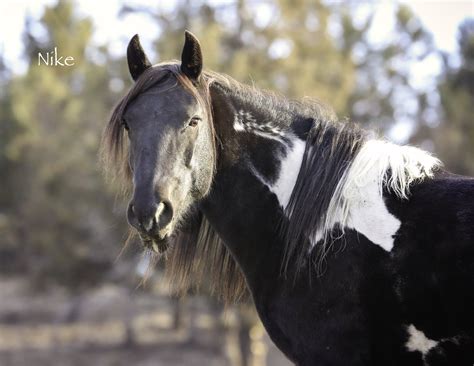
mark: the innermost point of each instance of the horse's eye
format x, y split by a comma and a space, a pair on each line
194, 121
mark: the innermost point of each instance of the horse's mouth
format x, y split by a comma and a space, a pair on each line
155, 244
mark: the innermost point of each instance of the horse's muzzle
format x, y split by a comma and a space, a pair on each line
151, 221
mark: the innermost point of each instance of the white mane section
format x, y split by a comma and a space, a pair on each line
407, 164
245, 122
289, 169
358, 202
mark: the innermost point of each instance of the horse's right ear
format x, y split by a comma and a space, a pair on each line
191, 57
137, 60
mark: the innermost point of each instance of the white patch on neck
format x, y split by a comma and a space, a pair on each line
418, 342
369, 215
289, 169
289, 165
358, 201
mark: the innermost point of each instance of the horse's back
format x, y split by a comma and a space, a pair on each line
411, 305
433, 266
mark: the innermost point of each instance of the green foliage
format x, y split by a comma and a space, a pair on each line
282, 55
59, 218
454, 137
307, 48
56, 221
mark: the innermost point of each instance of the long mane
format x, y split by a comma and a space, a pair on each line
329, 152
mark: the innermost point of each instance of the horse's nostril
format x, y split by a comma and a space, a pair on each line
161, 207
146, 217
164, 213
142, 219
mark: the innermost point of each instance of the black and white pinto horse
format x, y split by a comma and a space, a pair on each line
355, 251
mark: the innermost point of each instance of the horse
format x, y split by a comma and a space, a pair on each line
354, 250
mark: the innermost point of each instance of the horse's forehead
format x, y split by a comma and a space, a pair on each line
173, 100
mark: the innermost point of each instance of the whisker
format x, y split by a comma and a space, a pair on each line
130, 235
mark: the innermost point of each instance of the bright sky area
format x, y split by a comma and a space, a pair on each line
440, 17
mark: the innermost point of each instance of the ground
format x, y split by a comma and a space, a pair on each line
116, 326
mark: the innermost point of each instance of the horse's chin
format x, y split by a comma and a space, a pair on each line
155, 244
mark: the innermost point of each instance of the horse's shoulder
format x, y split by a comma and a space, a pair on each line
440, 209
445, 189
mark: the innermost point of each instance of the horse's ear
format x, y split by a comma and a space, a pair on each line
191, 57
137, 60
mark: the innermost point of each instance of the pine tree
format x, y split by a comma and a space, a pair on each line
61, 220
453, 134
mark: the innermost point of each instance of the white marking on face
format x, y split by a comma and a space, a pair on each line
289, 169
418, 342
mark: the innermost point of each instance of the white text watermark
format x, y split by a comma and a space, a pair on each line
52, 58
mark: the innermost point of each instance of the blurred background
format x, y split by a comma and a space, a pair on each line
404, 69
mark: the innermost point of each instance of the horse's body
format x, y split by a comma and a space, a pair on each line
385, 276
369, 305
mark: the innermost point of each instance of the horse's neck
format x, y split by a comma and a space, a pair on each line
254, 137
258, 163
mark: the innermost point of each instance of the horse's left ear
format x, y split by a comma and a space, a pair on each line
191, 57
137, 60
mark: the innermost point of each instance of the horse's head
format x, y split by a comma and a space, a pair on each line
171, 154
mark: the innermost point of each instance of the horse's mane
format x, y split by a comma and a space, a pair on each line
329, 152
334, 168
330, 148
277, 107
336, 155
